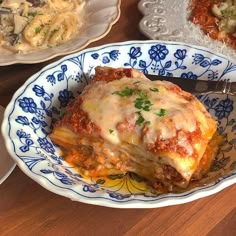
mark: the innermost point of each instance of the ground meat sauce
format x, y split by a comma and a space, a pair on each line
77, 120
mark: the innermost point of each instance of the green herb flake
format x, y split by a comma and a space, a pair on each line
111, 131
140, 119
33, 14
142, 103
136, 82
154, 89
38, 30
161, 113
125, 93
142, 94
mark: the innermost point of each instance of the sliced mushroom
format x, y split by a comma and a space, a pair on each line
12, 39
19, 22
36, 3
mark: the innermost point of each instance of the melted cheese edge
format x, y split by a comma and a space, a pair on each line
107, 109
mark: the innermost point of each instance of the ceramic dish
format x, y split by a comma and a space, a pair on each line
37, 104
168, 20
7, 164
100, 15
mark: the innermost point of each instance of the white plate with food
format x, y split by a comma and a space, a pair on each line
33, 31
201, 22
7, 164
108, 150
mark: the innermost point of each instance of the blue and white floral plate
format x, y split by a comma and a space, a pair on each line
35, 107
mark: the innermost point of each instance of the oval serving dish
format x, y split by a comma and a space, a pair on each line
34, 108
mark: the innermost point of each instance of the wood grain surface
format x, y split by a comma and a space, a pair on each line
28, 209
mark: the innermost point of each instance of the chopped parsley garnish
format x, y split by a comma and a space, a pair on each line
140, 119
154, 89
111, 131
125, 93
141, 94
136, 82
38, 30
33, 14
142, 103
161, 113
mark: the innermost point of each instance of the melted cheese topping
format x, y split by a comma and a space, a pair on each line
109, 110
152, 128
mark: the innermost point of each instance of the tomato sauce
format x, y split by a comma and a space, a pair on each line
202, 15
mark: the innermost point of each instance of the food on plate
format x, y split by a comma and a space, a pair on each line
38, 24
216, 18
122, 122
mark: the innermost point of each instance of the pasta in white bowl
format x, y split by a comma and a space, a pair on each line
38, 30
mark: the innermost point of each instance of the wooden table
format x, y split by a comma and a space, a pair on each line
28, 209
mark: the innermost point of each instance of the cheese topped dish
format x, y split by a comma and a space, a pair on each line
217, 18
38, 24
123, 122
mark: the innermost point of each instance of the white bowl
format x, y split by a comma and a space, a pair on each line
100, 15
36, 105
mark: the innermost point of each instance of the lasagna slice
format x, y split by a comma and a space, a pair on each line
123, 122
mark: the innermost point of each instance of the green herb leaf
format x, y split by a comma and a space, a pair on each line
142, 103
38, 30
142, 94
136, 82
125, 93
111, 131
140, 119
33, 14
154, 89
161, 113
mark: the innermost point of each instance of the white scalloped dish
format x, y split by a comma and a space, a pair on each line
99, 17
169, 20
29, 119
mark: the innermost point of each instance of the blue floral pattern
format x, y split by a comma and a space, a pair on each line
35, 108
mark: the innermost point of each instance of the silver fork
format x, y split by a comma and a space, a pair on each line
200, 86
